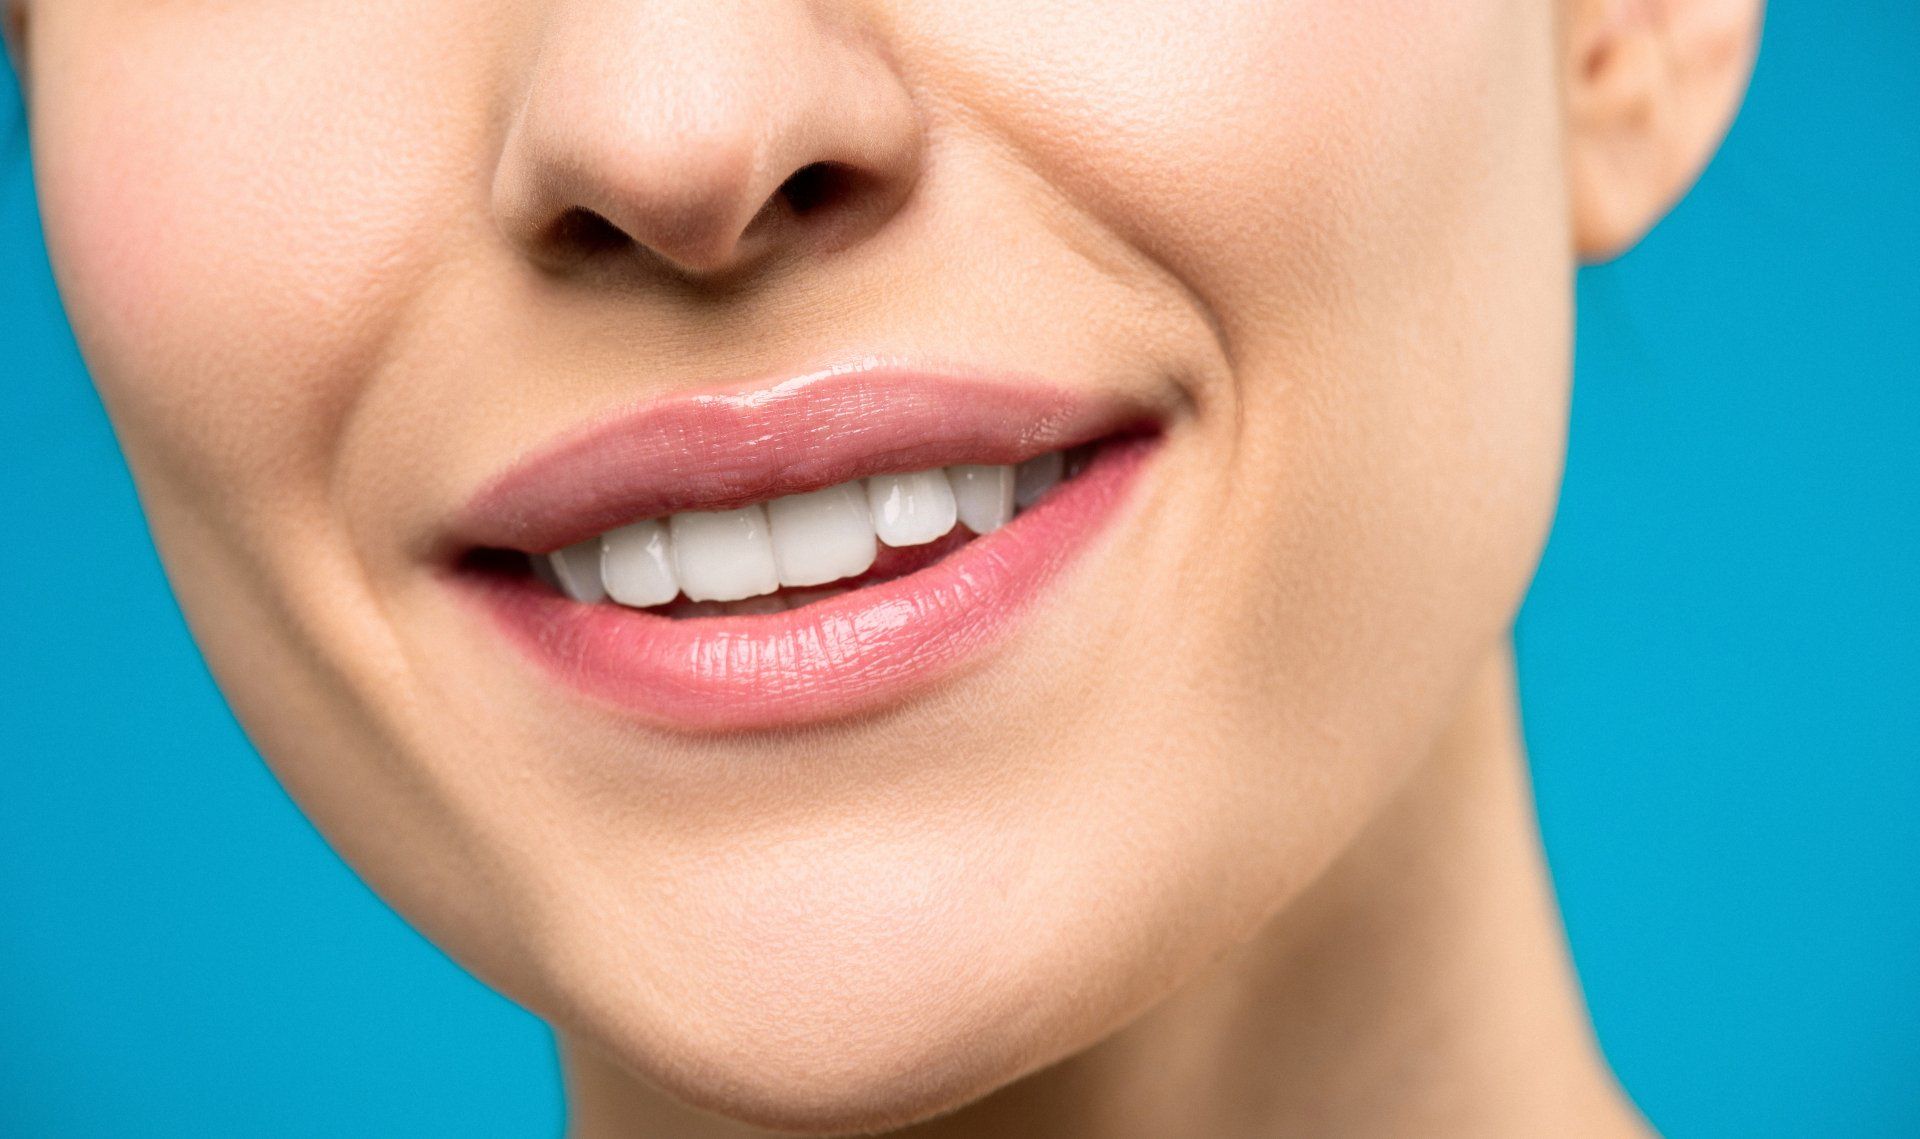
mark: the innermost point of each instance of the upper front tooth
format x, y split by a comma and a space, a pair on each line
909, 510
637, 563
821, 536
723, 555
577, 569
1036, 477
983, 496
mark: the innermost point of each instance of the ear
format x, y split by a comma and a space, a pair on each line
1652, 86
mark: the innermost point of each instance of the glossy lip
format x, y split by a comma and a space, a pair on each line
854, 653
722, 449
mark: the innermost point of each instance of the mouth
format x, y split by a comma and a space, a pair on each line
797, 552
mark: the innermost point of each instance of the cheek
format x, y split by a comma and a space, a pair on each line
1250, 145
234, 214
1366, 197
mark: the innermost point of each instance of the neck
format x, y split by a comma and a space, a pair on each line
1420, 987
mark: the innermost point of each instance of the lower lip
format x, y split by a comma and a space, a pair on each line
847, 655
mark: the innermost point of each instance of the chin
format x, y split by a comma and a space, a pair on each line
818, 1045
840, 987
843, 1079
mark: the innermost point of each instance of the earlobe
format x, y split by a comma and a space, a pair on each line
1652, 86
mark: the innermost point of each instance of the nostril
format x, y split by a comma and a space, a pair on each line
823, 196
818, 186
580, 233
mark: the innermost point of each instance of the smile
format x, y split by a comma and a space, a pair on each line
803, 548
798, 552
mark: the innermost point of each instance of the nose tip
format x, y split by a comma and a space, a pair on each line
701, 137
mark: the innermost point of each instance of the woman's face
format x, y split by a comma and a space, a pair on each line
385, 303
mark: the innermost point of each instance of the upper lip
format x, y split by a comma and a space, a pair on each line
725, 447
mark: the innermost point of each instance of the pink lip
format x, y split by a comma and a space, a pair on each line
830, 659
717, 450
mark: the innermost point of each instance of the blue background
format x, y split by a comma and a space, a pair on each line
1719, 661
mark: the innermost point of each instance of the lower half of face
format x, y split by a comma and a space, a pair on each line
835, 675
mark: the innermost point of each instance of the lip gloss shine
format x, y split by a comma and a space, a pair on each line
833, 658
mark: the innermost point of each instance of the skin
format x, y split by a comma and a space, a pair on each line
1233, 838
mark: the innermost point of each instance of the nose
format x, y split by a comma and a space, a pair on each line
702, 136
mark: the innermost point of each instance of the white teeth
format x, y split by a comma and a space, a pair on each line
911, 510
637, 564
577, 568
794, 543
723, 555
1036, 477
983, 496
821, 536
